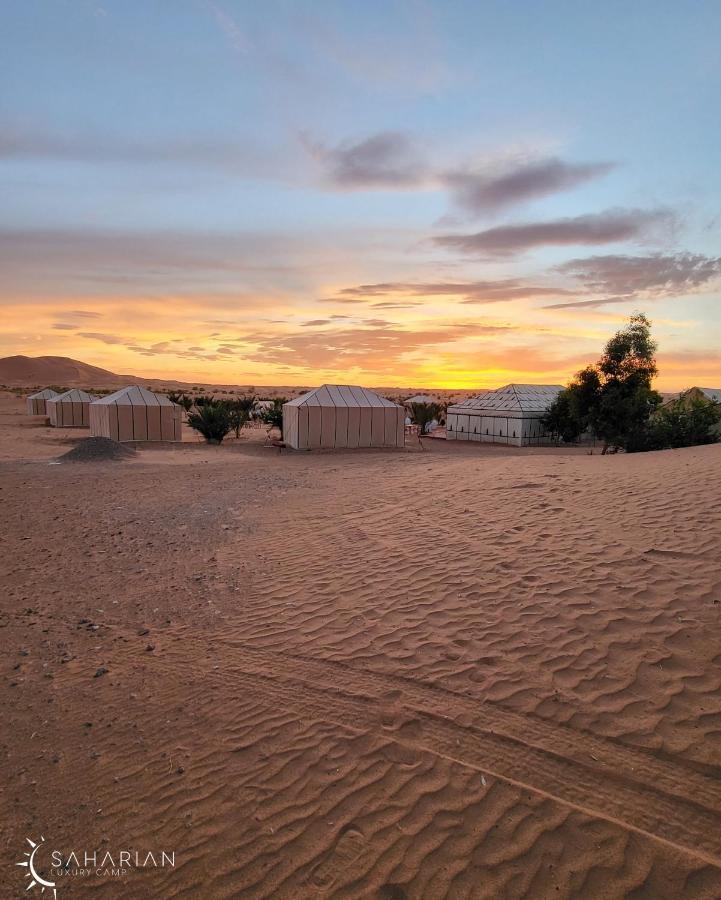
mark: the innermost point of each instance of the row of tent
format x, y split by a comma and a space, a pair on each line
130, 414
330, 416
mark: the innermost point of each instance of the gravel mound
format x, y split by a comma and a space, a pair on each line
97, 449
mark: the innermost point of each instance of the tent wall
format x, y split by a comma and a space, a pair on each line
37, 406
125, 422
69, 413
490, 427
312, 426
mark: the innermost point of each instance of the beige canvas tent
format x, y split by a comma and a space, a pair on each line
509, 415
71, 409
341, 415
136, 414
37, 402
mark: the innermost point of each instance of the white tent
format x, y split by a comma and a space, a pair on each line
136, 414
340, 415
71, 409
509, 415
713, 394
37, 402
420, 398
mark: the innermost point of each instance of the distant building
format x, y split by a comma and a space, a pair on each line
420, 398
71, 409
509, 415
37, 402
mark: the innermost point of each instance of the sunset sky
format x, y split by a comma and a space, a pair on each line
452, 194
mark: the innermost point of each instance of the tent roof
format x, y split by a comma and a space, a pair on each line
341, 395
421, 398
45, 394
74, 396
512, 397
712, 394
135, 396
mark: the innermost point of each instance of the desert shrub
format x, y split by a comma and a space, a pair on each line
240, 411
686, 423
212, 420
273, 415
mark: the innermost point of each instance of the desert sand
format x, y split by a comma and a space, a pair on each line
470, 672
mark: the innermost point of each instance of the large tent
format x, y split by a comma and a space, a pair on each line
71, 409
341, 415
509, 415
37, 402
136, 414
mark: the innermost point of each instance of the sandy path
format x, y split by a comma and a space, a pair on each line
375, 675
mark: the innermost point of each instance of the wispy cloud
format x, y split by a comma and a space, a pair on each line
99, 336
389, 161
376, 348
619, 279
394, 160
608, 227
489, 191
496, 291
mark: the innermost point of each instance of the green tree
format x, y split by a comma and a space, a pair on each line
424, 413
613, 399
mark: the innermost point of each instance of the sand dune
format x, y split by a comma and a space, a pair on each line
458, 673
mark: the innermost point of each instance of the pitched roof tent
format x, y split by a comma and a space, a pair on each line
712, 394
509, 415
342, 415
136, 414
71, 409
37, 401
340, 395
514, 398
135, 396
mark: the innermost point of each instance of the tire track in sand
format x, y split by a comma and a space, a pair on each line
632, 789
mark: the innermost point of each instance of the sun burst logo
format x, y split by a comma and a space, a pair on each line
32, 873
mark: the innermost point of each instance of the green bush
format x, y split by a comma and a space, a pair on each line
686, 423
212, 420
273, 415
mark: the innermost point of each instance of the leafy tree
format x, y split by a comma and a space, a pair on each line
273, 415
204, 400
424, 413
240, 411
614, 398
212, 420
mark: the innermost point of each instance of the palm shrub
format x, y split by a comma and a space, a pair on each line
240, 410
273, 415
213, 420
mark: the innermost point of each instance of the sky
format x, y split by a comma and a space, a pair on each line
396, 193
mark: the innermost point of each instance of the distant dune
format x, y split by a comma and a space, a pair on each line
27, 371
62, 371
